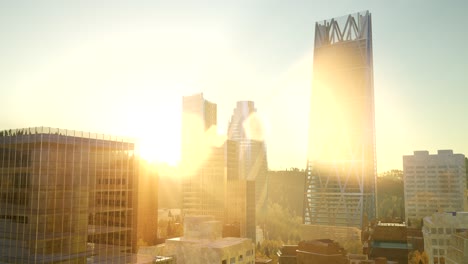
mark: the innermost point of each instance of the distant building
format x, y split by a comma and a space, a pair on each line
202, 243
457, 252
466, 198
389, 241
247, 184
320, 251
147, 208
433, 183
341, 172
313, 252
288, 254
203, 161
438, 230
67, 196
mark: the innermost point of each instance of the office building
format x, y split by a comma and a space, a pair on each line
457, 252
147, 208
437, 231
247, 188
203, 161
433, 182
240, 197
66, 196
341, 172
202, 243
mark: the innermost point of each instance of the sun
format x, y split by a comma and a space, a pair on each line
159, 149
158, 142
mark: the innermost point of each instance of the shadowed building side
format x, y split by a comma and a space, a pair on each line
66, 196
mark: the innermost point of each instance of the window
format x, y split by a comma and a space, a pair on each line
241, 257
232, 261
224, 261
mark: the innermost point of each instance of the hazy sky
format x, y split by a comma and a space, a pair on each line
122, 67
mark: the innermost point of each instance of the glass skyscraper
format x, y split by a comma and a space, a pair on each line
66, 197
341, 171
248, 189
202, 162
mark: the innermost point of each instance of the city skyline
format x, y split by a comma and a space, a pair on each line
61, 59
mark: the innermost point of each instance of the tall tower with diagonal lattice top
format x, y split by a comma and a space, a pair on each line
341, 170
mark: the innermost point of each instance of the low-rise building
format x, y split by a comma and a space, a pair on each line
437, 232
389, 241
457, 252
320, 251
287, 254
202, 243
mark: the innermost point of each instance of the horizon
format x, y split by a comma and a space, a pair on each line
122, 69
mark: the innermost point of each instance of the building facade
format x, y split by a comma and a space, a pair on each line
203, 159
247, 189
433, 182
202, 243
438, 230
66, 196
341, 173
457, 252
389, 241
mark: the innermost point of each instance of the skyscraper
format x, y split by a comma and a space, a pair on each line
66, 196
341, 171
248, 188
245, 129
202, 163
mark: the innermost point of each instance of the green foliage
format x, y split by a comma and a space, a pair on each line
390, 195
352, 246
279, 224
286, 188
269, 249
169, 228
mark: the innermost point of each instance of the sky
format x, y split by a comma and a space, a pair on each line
122, 67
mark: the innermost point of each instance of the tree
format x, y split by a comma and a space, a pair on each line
416, 257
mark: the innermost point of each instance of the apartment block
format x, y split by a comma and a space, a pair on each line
433, 182
438, 230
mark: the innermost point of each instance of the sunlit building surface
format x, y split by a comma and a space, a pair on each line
287, 254
147, 208
240, 197
66, 197
389, 241
437, 231
433, 182
247, 187
320, 251
202, 243
202, 162
341, 171
457, 252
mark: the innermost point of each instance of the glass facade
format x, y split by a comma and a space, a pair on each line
202, 161
341, 171
66, 197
